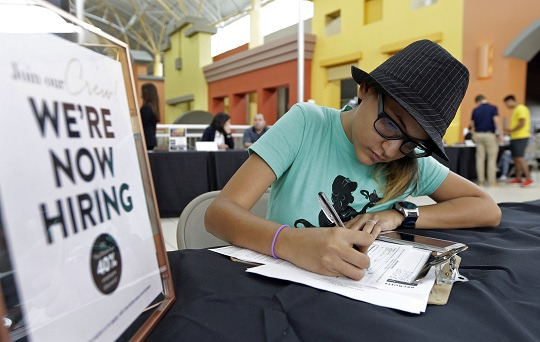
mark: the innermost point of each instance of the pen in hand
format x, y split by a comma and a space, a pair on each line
331, 213
329, 210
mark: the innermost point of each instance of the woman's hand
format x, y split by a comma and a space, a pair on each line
376, 221
327, 251
227, 127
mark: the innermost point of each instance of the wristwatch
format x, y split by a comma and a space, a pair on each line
410, 211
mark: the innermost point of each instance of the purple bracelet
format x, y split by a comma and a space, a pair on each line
275, 237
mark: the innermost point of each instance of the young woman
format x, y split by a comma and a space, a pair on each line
220, 131
150, 114
369, 159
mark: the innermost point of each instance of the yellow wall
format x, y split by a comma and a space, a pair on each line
400, 25
195, 53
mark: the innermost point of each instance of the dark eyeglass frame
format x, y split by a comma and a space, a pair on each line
406, 139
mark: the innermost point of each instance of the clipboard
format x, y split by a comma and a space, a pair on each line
441, 292
446, 250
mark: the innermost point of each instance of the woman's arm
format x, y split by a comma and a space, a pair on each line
460, 204
326, 251
229, 141
208, 134
146, 114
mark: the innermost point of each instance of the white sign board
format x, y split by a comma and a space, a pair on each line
72, 200
177, 139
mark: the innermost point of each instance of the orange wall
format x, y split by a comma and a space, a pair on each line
226, 54
497, 23
284, 74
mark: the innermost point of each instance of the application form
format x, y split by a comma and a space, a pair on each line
388, 282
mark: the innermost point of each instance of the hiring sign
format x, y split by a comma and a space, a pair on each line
73, 206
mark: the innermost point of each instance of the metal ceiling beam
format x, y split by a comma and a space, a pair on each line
143, 22
168, 9
200, 7
140, 41
182, 7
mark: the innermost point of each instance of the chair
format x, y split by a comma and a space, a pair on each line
192, 234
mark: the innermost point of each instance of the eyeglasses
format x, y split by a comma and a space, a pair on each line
388, 129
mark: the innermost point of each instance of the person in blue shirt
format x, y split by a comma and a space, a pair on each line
487, 134
256, 131
367, 159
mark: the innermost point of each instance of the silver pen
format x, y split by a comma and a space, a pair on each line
329, 210
331, 213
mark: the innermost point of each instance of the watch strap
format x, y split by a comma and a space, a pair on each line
409, 222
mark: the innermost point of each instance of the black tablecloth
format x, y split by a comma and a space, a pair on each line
218, 301
179, 177
462, 160
224, 164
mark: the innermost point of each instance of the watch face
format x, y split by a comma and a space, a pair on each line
407, 205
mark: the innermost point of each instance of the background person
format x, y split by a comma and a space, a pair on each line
253, 133
220, 131
468, 136
503, 165
520, 131
150, 114
367, 160
485, 128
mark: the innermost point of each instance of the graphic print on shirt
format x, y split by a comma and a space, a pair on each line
342, 197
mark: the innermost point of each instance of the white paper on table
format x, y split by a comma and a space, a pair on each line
412, 302
388, 261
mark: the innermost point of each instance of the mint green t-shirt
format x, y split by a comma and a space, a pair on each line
309, 152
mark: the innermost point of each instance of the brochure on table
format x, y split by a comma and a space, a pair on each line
74, 211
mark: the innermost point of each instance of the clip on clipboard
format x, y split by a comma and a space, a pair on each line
443, 256
439, 259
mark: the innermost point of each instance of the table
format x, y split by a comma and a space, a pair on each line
179, 177
218, 301
462, 160
223, 166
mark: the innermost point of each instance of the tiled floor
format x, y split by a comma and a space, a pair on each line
503, 193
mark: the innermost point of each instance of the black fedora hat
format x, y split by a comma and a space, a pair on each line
427, 81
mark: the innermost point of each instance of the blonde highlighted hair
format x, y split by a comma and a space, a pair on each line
395, 177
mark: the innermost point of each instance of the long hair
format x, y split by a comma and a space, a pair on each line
150, 97
396, 177
219, 122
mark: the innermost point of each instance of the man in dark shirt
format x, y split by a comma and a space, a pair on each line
256, 131
485, 125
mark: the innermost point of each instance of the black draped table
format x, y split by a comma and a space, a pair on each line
462, 160
179, 177
218, 301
